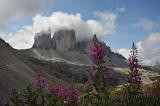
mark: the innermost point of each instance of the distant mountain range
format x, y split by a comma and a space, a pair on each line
61, 56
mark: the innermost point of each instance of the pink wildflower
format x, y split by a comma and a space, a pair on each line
136, 78
40, 80
88, 85
108, 74
92, 71
133, 62
66, 94
98, 54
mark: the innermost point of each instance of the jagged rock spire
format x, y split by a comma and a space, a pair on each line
62, 40
133, 46
95, 40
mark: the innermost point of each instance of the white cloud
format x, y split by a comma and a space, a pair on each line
107, 21
104, 26
21, 39
15, 9
148, 49
145, 24
125, 52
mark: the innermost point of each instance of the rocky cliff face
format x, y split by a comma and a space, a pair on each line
62, 40
86, 46
43, 40
65, 40
63, 46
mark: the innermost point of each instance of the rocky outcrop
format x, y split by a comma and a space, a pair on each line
107, 49
86, 46
3, 44
64, 40
43, 40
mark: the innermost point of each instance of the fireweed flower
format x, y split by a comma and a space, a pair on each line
88, 85
65, 93
97, 85
98, 54
92, 71
134, 78
40, 80
133, 61
108, 74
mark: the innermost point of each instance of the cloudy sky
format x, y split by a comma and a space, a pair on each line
116, 22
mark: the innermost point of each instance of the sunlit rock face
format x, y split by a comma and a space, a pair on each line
64, 40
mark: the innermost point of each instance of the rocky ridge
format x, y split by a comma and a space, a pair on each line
64, 40
64, 46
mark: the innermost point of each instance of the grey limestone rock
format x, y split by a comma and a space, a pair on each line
64, 40
43, 40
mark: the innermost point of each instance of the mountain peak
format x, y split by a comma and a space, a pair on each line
42, 40
64, 40
95, 40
